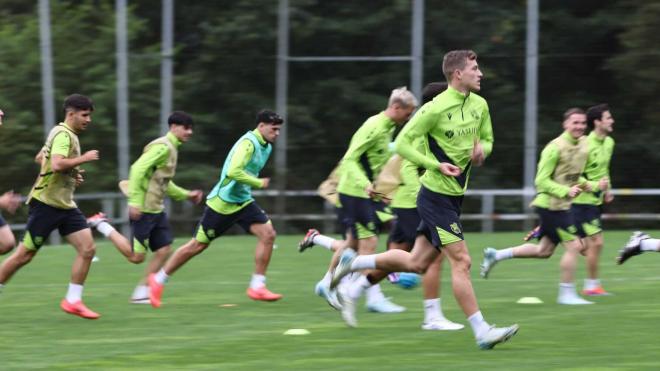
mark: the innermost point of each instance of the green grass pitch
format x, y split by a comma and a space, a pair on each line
194, 331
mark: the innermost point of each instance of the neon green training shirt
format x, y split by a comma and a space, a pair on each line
451, 123
597, 167
366, 155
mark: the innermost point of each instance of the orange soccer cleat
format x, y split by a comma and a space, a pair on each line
262, 294
78, 309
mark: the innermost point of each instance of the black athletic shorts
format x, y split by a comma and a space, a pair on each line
587, 219
359, 216
405, 226
151, 231
43, 219
213, 224
558, 225
440, 215
2, 221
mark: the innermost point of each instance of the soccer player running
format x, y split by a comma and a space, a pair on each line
404, 233
458, 132
9, 201
558, 181
587, 206
402, 236
363, 161
52, 206
230, 202
328, 190
150, 180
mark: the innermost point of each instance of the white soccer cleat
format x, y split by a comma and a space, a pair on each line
139, 301
385, 305
496, 335
633, 247
343, 268
442, 324
489, 262
347, 306
330, 296
572, 300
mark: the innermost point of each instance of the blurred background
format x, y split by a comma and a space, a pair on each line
326, 66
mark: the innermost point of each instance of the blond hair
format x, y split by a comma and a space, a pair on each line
403, 97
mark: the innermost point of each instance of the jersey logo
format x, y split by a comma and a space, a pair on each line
449, 134
454, 228
474, 114
449, 116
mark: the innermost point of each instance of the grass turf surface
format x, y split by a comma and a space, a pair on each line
194, 331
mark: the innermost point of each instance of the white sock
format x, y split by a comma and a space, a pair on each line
590, 284
2, 285
323, 240
140, 292
374, 293
479, 325
161, 277
567, 290
432, 310
105, 228
504, 254
258, 281
327, 278
650, 244
364, 262
74, 293
357, 287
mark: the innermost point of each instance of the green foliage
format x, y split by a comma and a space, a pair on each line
225, 57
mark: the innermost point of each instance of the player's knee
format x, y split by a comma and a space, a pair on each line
23, 257
87, 251
544, 254
462, 263
418, 267
136, 258
268, 236
6, 246
196, 247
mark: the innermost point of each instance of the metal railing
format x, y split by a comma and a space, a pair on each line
113, 204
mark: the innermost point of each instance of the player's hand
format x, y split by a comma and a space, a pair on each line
449, 169
79, 177
608, 197
574, 191
10, 201
92, 155
196, 196
478, 157
371, 192
2, 114
265, 182
134, 213
586, 186
604, 184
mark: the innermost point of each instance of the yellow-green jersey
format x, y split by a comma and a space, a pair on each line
366, 155
56, 188
597, 168
150, 178
451, 124
560, 168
